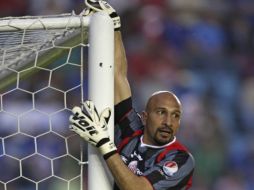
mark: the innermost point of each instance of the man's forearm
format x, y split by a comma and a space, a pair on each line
124, 178
122, 88
120, 56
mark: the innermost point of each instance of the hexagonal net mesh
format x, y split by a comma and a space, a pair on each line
41, 74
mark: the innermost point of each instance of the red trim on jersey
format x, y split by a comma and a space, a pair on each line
175, 146
189, 184
127, 139
125, 115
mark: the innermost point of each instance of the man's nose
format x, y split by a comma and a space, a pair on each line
167, 120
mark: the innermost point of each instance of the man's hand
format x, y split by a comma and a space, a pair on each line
101, 5
93, 127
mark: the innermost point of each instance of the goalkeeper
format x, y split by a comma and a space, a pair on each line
145, 153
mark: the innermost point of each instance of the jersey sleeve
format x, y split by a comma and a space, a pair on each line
173, 172
127, 120
122, 109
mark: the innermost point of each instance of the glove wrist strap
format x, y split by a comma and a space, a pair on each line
106, 156
107, 148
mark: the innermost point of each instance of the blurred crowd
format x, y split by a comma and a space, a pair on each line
203, 50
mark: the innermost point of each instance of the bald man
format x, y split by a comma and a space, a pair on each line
149, 156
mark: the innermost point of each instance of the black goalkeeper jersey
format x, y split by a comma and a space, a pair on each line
166, 167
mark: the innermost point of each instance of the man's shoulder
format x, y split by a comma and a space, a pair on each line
177, 148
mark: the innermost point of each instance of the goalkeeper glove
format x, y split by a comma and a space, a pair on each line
93, 128
102, 5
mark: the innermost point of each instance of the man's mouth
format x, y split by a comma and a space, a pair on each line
165, 132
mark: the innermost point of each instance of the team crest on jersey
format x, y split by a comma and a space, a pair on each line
133, 166
170, 167
133, 162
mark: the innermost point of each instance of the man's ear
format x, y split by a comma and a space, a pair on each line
144, 117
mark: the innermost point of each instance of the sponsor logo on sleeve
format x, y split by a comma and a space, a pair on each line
170, 167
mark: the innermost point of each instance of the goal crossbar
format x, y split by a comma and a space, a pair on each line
43, 22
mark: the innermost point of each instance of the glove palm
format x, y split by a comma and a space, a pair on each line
93, 127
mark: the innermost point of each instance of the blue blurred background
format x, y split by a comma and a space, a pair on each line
203, 50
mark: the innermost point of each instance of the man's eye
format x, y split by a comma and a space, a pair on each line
160, 112
176, 115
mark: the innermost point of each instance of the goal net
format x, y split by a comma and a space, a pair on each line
48, 64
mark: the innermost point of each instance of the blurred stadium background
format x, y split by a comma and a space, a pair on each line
203, 51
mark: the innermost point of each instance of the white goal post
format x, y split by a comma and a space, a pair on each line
100, 75
101, 91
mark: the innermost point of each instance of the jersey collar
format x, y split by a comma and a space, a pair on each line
154, 146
